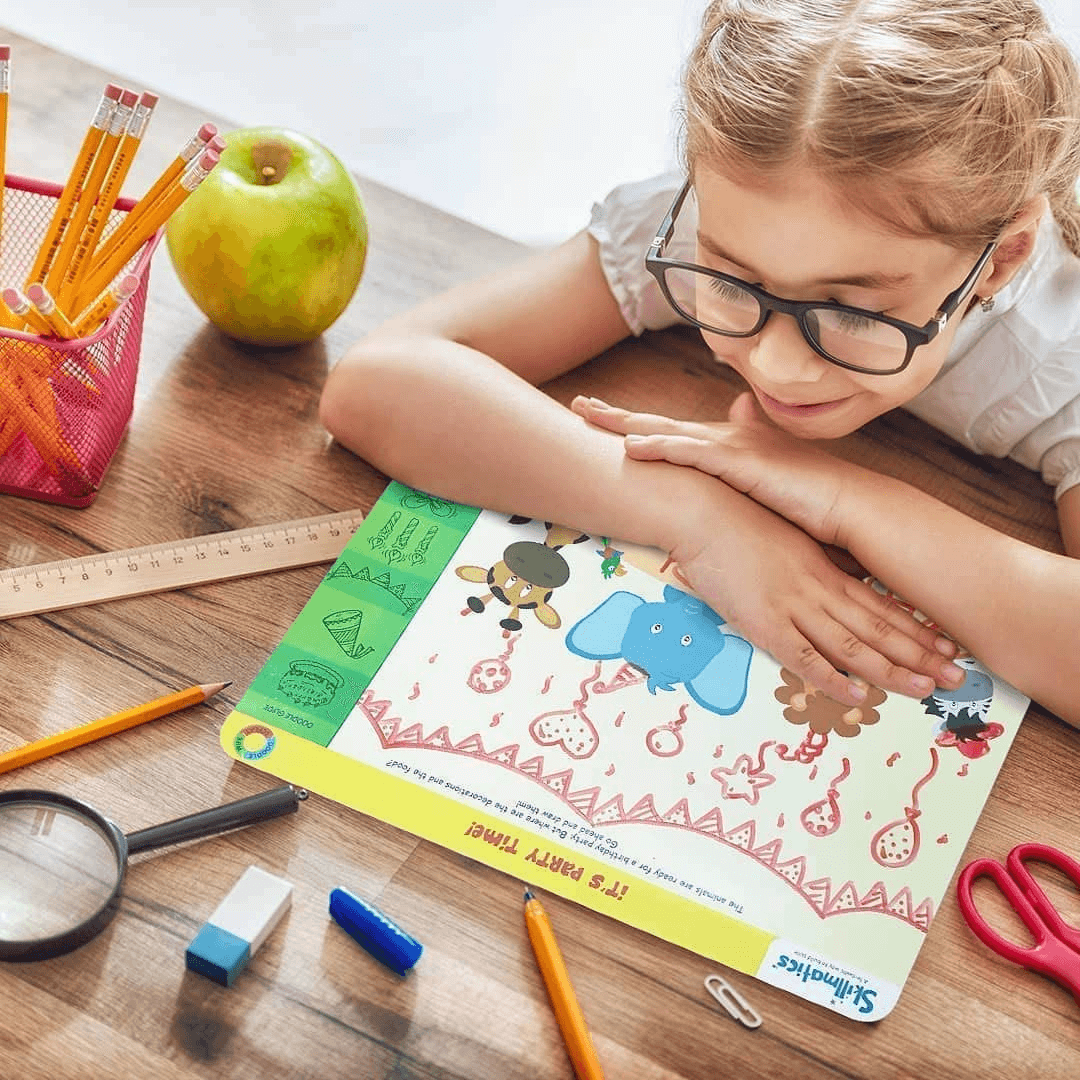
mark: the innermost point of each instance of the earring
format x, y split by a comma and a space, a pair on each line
987, 303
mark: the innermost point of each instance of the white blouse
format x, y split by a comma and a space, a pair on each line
1010, 386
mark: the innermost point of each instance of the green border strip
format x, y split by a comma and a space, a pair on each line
344, 633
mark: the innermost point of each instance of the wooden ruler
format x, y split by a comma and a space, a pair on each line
175, 564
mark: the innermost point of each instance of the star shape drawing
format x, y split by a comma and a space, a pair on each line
743, 780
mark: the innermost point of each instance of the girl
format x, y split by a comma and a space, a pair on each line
876, 211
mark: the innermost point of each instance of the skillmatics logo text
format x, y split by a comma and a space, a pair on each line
844, 991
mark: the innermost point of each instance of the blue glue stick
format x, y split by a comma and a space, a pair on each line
370, 928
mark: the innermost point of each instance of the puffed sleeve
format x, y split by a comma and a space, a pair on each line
1054, 449
623, 226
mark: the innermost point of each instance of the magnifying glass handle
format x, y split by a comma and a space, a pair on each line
270, 804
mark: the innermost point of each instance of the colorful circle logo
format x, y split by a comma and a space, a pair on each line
254, 742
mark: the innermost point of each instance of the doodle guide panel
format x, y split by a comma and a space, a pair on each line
561, 707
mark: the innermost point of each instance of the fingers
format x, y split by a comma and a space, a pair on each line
797, 652
883, 645
678, 449
935, 649
841, 646
623, 421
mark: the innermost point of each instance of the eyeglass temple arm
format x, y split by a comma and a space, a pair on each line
952, 301
667, 226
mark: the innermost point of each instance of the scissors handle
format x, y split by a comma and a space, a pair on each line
1016, 862
1052, 954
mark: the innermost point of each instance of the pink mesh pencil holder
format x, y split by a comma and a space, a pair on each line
64, 405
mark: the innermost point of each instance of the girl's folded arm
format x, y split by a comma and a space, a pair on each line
443, 398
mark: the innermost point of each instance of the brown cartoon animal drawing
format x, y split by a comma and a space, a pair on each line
525, 577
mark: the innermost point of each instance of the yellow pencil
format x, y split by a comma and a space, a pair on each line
91, 190
579, 1045
107, 725
58, 323
205, 138
152, 220
110, 192
9, 320
5, 90
17, 303
79, 172
89, 320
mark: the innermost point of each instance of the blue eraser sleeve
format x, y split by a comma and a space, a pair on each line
370, 928
217, 954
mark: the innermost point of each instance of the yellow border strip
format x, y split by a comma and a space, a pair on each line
451, 824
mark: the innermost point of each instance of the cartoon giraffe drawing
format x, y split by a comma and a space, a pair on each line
525, 577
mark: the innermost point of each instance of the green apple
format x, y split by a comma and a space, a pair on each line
271, 245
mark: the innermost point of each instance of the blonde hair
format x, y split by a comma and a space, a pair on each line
940, 117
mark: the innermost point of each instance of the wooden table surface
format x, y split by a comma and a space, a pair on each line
225, 437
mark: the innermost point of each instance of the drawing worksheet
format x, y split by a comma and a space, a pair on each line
563, 708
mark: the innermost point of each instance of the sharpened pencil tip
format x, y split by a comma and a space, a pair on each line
210, 689
528, 894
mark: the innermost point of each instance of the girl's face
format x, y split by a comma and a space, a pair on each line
795, 238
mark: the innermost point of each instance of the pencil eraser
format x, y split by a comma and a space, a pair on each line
112, 91
239, 925
207, 132
128, 98
148, 100
5, 52
371, 929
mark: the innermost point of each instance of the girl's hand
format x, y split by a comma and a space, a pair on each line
780, 589
796, 479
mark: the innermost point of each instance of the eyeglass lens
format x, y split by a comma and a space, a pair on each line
725, 308
57, 869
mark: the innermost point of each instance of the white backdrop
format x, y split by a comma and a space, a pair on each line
514, 114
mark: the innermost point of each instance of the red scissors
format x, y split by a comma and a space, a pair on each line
1056, 951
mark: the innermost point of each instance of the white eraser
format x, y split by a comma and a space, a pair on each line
239, 925
254, 906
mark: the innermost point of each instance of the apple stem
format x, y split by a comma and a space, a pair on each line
271, 161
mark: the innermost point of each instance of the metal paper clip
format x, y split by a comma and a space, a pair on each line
734, 1003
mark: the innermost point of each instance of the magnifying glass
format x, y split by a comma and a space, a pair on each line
62, 863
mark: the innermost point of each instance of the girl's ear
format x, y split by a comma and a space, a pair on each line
1015, 247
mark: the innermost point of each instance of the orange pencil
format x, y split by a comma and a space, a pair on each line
110, 192
152, 220
9, 432
205, 138
90, 319
92, 189
107, 725
549, 959
70, 195
58, 323
31, 405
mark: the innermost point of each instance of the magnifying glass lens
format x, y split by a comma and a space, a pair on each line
57, 869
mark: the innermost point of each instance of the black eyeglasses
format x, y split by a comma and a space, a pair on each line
851, 337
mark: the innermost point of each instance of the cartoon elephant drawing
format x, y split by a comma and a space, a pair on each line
676, 640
